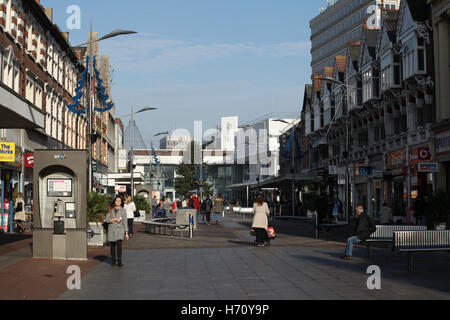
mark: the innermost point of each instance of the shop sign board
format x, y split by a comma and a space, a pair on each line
442, 142
7, 152
395, 160
418, 155
120, 189
365, 171
429, 167
378, 174
29, 160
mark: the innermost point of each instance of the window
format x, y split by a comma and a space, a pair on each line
16, 84
38, 95
409, 61
29, 90
367, 86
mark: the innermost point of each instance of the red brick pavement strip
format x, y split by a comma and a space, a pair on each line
43, 279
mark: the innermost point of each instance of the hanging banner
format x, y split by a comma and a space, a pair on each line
7, 152
29, 160
122, 159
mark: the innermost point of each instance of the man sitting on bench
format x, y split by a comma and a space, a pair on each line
361, 228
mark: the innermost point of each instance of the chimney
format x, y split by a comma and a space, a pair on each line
49, 13
66, 36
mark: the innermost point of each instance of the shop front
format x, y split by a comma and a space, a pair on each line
421, 177
396, 183
11, 160
442, 157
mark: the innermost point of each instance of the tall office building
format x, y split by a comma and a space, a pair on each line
340, 23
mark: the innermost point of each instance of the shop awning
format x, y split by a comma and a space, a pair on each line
17, 113
282, 180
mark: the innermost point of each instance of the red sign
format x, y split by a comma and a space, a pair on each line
121, 189
29, 160
419, 155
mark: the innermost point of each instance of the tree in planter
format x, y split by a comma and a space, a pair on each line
141, 204
187, 173
98, 206
438, 209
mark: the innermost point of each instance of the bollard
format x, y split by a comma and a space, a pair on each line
317, 225
191, 223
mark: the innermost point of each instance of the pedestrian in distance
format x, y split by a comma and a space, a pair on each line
195, 203
321, 208
174, 207
185, 202
117, 230
260, 223
203, 208
420, 209
208, 207
130, 208
19, 209
386, 215
218, 207
154, 205
361, 228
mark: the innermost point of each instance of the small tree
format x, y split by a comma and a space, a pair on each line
98, 206
187, 177
141, 204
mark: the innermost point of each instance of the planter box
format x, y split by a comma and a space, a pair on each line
99, 238
141, 218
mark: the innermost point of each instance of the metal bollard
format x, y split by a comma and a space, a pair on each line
191, 228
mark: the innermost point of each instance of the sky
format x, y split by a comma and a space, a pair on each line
200, 59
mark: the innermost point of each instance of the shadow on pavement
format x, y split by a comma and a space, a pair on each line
242, 243
7, 238
101, 258
429, 273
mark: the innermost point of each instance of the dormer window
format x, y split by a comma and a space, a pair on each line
414, 57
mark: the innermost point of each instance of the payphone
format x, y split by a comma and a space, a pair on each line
60, 205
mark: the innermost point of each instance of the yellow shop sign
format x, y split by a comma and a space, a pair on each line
7, 152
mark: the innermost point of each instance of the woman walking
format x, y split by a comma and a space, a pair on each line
130, 208
218, 207
20, 212
117, 230
261, 221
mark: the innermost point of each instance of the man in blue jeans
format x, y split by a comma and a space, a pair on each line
362, 226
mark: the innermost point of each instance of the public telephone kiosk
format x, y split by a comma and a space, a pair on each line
60, 205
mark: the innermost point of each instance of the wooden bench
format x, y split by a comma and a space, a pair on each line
385, 234
164, 224
416, 241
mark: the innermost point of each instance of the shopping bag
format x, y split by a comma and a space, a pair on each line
271, 233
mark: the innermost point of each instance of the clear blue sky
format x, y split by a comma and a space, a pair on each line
201, 59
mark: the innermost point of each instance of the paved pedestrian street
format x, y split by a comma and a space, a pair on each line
231, 269
220, 263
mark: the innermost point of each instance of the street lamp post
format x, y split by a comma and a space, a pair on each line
132, 144
151, 156
90, 92
347, 146
292, 162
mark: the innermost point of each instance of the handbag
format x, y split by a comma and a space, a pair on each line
271, 233
252, 232
105, 226
137, 214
